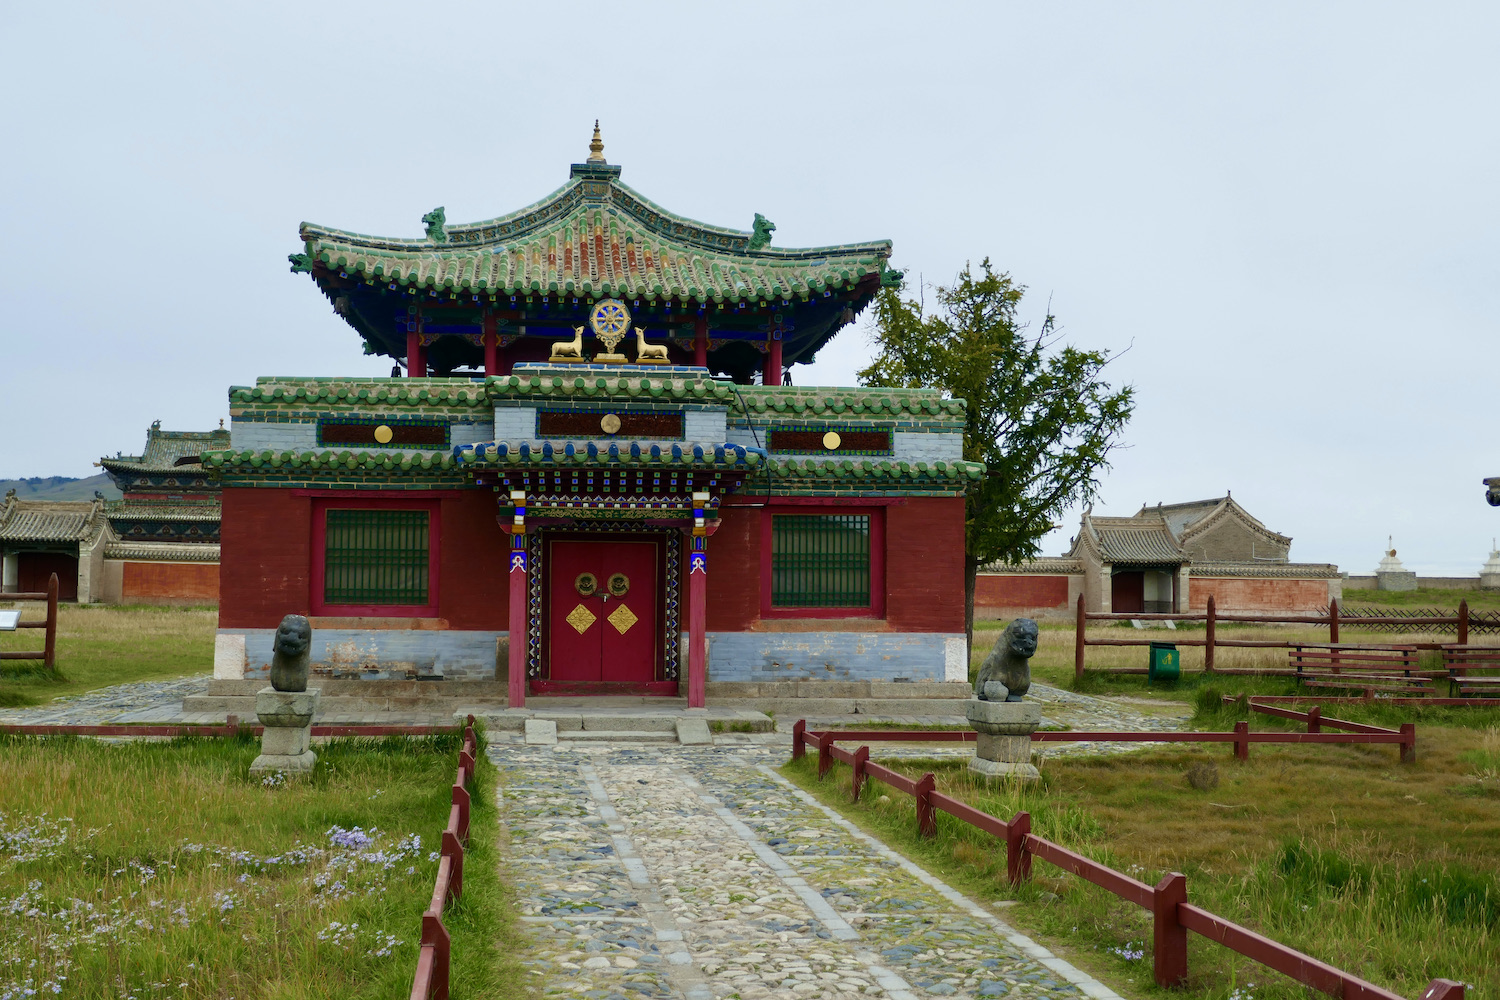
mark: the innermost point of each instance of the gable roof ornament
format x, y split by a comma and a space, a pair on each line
596, 146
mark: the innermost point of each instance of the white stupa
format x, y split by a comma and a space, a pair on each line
1489, 573
1390, 574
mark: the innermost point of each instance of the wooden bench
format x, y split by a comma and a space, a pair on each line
1390, 669
1461, 660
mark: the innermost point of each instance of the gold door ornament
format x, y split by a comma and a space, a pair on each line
587, 584
622, 618
581, 618
619, 585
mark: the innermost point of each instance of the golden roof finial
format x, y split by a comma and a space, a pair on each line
596, 146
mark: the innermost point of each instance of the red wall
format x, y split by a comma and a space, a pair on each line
924, 565
189, 581
1023, 591
733, 571
265, 554
924, 568
1234, 594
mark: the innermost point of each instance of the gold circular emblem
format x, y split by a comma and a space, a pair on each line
383, 434
619, 585
610, 423
831, 440
586, 584
610, 318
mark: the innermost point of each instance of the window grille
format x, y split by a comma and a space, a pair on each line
376, 557
820, 560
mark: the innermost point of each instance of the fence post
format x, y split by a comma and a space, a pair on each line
1078, 641
455, 851
1408, 742
49, 656
1169, 939
1017, 857
1463, 622
1443, 989
799, 728
461, 799
1208, 637
435, 936
825, 754
1315, 719
861, 758
1241, 740
926, 821
1333, 620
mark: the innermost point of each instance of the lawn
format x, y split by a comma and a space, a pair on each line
190, 878
1385, 870
101, 646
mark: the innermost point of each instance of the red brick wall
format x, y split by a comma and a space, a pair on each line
473, 576
187, 581
733, 572
265, 552
924, 565
1023, 591
1238, 594
266, 557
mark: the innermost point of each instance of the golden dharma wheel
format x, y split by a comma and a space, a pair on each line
383, 434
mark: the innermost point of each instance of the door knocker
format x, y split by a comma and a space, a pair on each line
619, 585
586, 584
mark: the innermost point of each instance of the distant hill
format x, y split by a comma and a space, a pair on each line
60, 488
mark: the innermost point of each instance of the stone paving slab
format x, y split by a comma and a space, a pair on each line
700, 873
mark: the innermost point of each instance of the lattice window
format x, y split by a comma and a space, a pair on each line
376, 557
820, 560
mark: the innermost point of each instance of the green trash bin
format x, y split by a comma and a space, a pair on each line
1164, 664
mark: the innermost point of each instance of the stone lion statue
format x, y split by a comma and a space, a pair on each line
761, 236
436, 222
1006, 673
290, 652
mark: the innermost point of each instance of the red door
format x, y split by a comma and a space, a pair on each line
34, 570
602, 611
1128, 592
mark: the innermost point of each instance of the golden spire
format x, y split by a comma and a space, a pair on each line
596, 146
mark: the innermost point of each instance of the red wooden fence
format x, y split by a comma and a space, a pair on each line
1172, 915
431, 981
48, 654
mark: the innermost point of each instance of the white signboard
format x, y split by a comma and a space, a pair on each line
8, 620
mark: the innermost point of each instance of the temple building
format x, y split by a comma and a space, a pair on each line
592, 477
164, 547
41, 537
1166, 558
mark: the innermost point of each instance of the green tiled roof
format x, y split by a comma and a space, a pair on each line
164, 448
466, 393
333, 462
876, 470
596, 236
694, 454
149, 510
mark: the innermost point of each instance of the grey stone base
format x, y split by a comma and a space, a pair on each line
1004, 769
302, 763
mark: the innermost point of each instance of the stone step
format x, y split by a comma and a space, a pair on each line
618, 720
616, 736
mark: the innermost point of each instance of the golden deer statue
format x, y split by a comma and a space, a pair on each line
563, 350
648, 353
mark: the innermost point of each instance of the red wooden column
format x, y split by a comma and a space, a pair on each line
491, 345
773, 361
700, 342
698, 606
517, 665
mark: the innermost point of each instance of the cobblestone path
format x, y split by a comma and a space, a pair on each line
143, 701
701, 873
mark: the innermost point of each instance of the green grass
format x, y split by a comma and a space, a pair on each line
102, 646
1422, 597
190, 878
1382, 869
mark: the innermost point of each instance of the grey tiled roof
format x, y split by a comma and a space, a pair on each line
49, 520
1136, 540
163, 551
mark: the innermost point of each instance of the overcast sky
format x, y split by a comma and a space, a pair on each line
1285, 212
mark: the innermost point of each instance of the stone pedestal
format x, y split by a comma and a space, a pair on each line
287, 716
1004, 744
